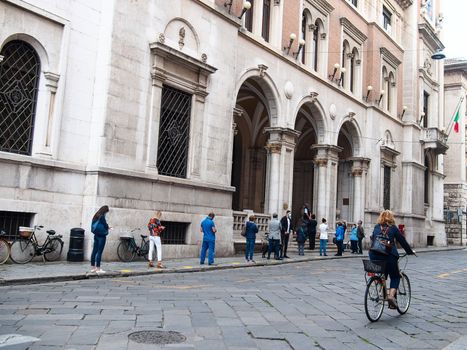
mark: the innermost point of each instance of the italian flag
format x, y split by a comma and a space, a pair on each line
456, 120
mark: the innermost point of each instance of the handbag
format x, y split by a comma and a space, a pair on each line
243, 233
381, 244
334, 240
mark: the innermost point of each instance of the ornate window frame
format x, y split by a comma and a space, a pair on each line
355, 39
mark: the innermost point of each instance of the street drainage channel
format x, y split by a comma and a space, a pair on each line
157, 337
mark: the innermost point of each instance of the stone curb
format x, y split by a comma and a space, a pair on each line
230, 266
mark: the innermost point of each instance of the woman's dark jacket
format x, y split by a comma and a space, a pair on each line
251, 230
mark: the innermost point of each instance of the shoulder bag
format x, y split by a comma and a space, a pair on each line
380, 243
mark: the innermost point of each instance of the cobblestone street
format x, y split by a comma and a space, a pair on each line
316, 304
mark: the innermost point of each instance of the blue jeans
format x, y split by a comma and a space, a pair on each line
250, 249
97, 249
274, 246
322, 246
301, 248
211, 245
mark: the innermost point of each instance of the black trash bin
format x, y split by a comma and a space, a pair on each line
75, 251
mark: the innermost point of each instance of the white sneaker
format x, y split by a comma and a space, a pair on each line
100, 271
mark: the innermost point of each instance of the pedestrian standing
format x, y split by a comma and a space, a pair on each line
208, 229
251, 229
286, 229
155, 229
100, 228
312, 232
360, 236
301, 237
340, 233
323, 237
274, 237
354, 239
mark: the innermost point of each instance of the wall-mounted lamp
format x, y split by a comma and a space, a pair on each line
333, 75
292, 37
404, 108
246, 7
228, 4
422, 117
381, 94
369, 88
438, 55
301, 44
341, 78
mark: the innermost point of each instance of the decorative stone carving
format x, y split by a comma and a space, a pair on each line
323, 36
314, 96
161, 38
358, 62
181, 37
204, 58
312, 27
427, 66
234, 129
288, 90
357, 172
277, 2
273, 147
321, 162
262, 69
351, 114
332, 111
350, 55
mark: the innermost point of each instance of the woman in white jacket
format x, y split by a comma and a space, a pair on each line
323, 237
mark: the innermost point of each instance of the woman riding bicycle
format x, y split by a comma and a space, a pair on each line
387, 232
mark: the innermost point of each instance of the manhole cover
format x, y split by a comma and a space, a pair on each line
157, 337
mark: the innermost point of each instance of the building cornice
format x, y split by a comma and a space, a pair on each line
352, 30
404, 3
430, 37
393, 60
322, 6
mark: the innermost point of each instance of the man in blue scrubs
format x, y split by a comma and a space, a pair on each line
208, 229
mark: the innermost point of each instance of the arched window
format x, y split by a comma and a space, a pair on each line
266, 19
249, 17
345, 62
304, 29
426, 192
390, 87
352, 71
315, 45
19, 80
384, 85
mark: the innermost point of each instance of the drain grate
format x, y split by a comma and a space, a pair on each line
157, 337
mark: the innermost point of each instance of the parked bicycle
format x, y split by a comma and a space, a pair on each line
26, 247
127, 248
4, 247
376, 291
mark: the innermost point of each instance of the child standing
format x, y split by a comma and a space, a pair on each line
302, 233
323, 237
354, 239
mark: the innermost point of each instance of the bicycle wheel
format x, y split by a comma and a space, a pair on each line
22, 251
374, 299
404, 294
125, 251
4, 251
145, 250
53, 249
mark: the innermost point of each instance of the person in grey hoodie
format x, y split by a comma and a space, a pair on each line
274, 237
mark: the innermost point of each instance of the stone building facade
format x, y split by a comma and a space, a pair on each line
189, 106
455, 185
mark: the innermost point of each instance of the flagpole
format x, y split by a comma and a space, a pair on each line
453, 116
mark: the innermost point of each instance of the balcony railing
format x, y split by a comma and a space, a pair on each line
239, 218
435, 139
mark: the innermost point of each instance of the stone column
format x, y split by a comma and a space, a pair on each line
274, 151
327, 160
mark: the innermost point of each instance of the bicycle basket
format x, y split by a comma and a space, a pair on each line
376, 266
25, 232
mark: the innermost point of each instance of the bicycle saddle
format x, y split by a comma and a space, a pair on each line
51, 232
143, 236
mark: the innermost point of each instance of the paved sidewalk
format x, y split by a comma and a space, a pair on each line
38, 272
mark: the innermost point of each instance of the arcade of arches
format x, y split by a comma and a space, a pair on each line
276, 168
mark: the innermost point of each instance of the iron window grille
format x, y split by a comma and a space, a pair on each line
174, 132
174, 233
10, 221
19, 80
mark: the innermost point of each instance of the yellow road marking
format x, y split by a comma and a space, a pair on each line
235, 263
443, 275
126, 270
187, 267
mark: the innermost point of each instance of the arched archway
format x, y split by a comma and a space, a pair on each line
252, 115
348, 141
309, 123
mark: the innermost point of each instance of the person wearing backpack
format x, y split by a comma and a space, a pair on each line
301, 237
100, 228
251, 229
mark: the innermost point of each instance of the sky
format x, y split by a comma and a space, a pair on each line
454, 35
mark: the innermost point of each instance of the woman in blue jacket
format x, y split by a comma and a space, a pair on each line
354, 239
386, 228
340, 233
100, 228
250, 234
